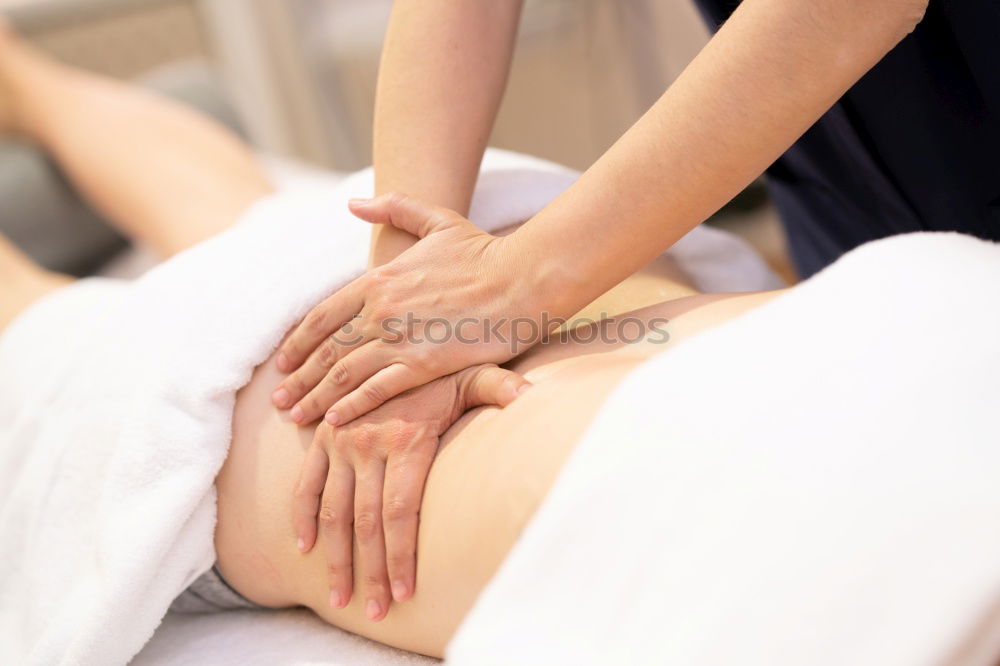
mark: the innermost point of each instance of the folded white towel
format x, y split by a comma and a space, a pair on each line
114, 426
116, 407
816, 482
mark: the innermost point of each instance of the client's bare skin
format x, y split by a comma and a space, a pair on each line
170, 179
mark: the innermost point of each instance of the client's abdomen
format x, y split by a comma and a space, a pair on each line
494, 468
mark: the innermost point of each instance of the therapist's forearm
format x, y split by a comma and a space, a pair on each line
442, 75
772, 70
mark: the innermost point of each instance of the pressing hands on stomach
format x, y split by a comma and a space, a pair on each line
396, 384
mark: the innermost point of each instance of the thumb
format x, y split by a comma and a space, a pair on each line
491, 385
406, 213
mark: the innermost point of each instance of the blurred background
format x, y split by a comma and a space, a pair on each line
297, 78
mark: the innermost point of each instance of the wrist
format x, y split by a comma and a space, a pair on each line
547, 280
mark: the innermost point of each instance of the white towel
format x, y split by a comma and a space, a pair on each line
816, 482
116, 407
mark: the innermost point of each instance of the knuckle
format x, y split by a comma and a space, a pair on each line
301, 492
401, 559
339, 374
374, 394
325, 439
420, 434
397, 510
337, 570
481, 373
423, 358
396, 198
330, 518
402, 436
327, 354
390, 292
315, 321
365, 438
382, 308
378, 278
366, 525
295, 385
374, 583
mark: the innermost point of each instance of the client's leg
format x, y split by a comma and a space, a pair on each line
162, 173
22, 281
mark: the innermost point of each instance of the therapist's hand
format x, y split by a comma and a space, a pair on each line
457, 298
365, 481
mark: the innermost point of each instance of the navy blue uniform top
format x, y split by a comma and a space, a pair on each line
914, 145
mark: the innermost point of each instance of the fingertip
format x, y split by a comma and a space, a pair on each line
332, 418
516, 390
373, 610
400, 591
306, 543
297, 414
284, 365
281, 397
337, 600
362, 209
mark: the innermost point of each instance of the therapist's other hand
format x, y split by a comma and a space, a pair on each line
457, 298
365, 481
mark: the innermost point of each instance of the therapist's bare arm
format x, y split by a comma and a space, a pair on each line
443, 71
766, 77
771, 71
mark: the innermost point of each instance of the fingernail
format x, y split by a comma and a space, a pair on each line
336, 601
523, 388
373, 609
358, 201
398, 590
280, 397
302, 545
282, 362
296, 414
332, 418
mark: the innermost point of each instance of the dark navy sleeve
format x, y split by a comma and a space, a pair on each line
912, 146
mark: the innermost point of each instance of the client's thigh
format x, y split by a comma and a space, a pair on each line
493, 470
